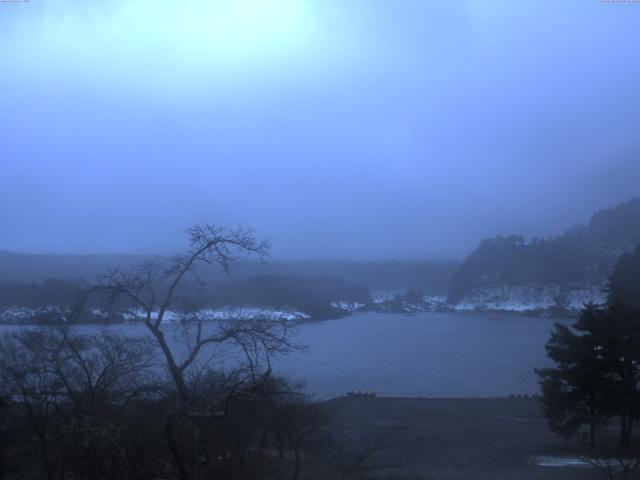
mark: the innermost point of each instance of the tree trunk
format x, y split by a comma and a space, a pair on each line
296, 465
625, 439
175, 372
592, 425
44, 452
169, 431
280, 440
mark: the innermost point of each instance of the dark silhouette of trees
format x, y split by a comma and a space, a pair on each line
597, 372
77, 405
575, 392
153, 287
66, 392
6, 436
295, 421
583, 255
624, 288
209, 420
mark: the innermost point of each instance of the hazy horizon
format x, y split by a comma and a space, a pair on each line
289, 259
359, 130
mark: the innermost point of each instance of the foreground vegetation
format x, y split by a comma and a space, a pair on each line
77, 406
594, 389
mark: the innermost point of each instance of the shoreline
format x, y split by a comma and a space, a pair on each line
290, 315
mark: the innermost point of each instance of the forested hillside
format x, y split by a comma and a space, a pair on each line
582, 258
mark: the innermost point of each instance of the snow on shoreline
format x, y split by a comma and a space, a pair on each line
496, 297
24, 315
20, 314
530, 297
382, 296
348, 306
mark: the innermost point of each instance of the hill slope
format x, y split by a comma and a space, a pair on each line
564, 272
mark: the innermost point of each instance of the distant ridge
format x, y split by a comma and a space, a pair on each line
26, 267
428, 277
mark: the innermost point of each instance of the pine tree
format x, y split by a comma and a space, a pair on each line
575, 392
597, 372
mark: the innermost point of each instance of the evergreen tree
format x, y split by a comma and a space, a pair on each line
597, 372
623, 349
624, 283
575, 392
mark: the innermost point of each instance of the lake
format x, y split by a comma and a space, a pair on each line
468, 354
429, 354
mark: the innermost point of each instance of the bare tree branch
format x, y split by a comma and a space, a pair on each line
153, 287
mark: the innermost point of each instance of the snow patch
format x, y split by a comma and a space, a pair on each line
549, 461
224, 313
348, 306
381, 296
21, 314
522, 298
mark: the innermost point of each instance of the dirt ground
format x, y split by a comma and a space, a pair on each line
422, 438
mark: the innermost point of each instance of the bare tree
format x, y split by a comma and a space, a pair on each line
101, 368
152, 288
5, 435
68, 391
33, 388
156, 287
295, 420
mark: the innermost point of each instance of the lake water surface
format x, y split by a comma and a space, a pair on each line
427, 354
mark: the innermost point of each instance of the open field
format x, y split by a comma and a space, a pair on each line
424, 438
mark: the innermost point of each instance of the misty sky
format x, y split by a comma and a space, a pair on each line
341, 129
